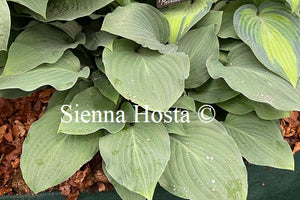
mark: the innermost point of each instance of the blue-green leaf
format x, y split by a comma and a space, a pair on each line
141, 23
4, 24
260, 141
199, 44
146, 77
61, 75
49, 158
37, 45
38, 6
205, 164
137, 156
91, 107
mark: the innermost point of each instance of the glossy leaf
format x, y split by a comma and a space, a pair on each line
210, 92
273, 34
205, 164
144, 24
4, 24
39, 6
146, 77
49, 158
183, 16
260, 141
88, 121
37, 45
61, 75
199, 44
137, 156
248, 76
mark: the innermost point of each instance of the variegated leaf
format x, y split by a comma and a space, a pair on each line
294, 4
184, 15
273, 34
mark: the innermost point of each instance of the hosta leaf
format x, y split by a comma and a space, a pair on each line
101, 38
184, 15
205, 164
294, 4
137, 156
185, 102
228, 44
260, 141
124, 2
273, 34
39, 6
66, 96
4, 24
37, 45
71, 9
176, 128
267, 112
14, 93
236, 105
199, 44
122, 191
61, 75
213, 17
258, 2
58, 98
3, 58
129, 112
146, 77
105, 87
86, 102
241, 105
220, 4
49, 158
210, 92
248, 76
72, 28
144, 24
227, 30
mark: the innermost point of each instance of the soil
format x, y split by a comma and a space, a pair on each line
16, 117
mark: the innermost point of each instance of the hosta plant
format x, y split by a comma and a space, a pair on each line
130, 79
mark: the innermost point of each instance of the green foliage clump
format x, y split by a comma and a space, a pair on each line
114, 61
